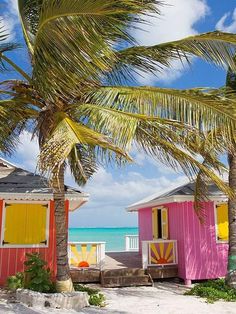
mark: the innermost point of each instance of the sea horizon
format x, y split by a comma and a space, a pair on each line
113, 236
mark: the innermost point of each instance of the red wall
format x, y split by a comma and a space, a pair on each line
12, 259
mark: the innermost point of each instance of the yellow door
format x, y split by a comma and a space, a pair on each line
160, 220
25, 224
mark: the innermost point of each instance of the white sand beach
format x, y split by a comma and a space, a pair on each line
165, 298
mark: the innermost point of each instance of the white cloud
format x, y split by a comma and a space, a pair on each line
222, 25
10, 19
109, 196
177, 21
27, 152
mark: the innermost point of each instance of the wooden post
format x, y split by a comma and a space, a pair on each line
145, 254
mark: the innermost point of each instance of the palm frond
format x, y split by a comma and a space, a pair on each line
14, 116
213, 47
66, 136
117, 124
73, 43
82, 163
163, 147
194, 107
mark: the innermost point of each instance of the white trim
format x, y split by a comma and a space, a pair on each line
25, 245
216, 226
79, 200
173, 199
146, 253
7, 163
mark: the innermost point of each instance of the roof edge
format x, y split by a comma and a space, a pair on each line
172, 199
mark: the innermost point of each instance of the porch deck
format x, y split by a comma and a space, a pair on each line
118, 260
115, 261
158, 260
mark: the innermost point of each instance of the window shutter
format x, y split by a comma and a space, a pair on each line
222, 222
25, 224
36, 224
15, 224
154, 224
164, 219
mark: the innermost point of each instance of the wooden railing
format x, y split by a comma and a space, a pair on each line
159, 253
86, 254
131, 243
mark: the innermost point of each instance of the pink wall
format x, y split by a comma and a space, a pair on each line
145, 225
199, 256
205, 258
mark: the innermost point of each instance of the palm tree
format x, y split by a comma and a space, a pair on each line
231, 275
77, 100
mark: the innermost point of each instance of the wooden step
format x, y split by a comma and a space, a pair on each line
125, 277
163, 272
123, 272
85, 275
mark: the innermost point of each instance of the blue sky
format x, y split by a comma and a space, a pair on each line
111, 190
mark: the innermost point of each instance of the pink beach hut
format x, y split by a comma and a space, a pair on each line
174, 243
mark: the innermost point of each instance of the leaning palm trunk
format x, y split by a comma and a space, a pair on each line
64, 282
231, 275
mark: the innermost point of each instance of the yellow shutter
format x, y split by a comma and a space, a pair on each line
25, 224
164, 221
154, 224
222, 222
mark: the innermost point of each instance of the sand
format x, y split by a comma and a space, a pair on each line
164, 298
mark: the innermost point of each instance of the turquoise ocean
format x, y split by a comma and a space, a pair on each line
114, 237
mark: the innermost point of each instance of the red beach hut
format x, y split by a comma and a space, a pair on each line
27, 218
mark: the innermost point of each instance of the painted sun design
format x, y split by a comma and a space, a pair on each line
83, 253
162, 253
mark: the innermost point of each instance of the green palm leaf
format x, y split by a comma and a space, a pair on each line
82, 162
193, 107
216, 47
66, 136
73, 43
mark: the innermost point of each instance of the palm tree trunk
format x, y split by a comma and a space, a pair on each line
64, 282
231, 275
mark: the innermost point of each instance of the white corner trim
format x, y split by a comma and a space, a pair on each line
25, 245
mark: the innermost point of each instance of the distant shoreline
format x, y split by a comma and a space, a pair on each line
136, 227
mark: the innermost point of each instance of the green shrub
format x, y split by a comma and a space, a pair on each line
16, 282
213, 290
38, 277
95, 297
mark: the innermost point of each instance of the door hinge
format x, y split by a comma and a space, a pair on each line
3, 242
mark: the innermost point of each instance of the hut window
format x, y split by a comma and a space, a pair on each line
25, 225
222, 224
160, 223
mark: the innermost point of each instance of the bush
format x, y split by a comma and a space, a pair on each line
39, 277
36, 277
95, 297
213, 290
16, 282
